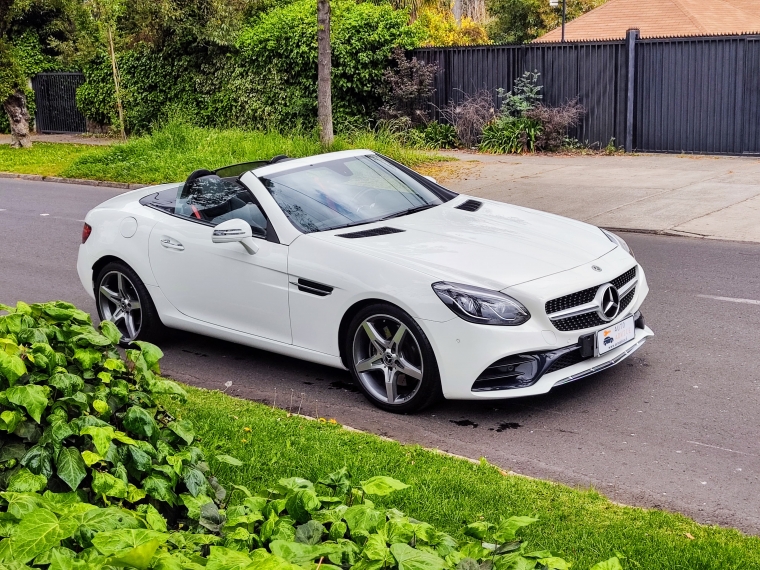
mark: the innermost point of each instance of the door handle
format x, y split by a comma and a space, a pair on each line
170, 243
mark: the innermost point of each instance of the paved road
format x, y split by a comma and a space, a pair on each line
675, 426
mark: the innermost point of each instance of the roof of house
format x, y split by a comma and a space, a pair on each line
657, 18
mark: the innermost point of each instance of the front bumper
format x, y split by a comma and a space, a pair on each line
465, 350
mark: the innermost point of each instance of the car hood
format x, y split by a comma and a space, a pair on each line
497, 246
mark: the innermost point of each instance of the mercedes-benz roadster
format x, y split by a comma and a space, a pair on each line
351, 260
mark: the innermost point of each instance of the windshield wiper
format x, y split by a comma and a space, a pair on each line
409, 211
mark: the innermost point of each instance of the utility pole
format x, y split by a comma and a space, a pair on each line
554, 4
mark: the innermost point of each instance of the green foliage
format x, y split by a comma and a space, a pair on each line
266, 80
510, 135
524, 96
440, 135
87, 486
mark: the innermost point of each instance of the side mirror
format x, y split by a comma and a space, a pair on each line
233, 231
433, 180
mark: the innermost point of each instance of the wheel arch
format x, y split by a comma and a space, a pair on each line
105, 260
348, 316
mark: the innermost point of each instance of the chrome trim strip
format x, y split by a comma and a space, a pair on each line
625, 289
574, 311
603, 366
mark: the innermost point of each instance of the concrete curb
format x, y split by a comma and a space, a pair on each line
81, 181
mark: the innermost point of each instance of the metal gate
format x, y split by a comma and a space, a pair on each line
55, 97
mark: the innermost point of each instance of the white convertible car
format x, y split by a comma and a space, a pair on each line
351, 260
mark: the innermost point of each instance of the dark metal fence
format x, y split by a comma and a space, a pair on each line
697, 95
55, 97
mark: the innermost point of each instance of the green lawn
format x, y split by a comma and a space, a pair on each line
170, 153
582, 526
47, 159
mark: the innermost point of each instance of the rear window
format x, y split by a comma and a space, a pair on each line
210, 200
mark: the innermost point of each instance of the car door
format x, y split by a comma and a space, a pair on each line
220, 283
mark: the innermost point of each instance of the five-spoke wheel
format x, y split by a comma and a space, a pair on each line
122, 299
392, 360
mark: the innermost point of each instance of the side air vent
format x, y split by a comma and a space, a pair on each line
371, 233
313, 287
470, 206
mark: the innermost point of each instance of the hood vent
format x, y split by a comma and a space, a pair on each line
371, 233
470, 206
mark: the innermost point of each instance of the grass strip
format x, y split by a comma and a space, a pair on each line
174, 150
583, 526
45, 159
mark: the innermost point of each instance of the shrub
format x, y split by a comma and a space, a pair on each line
441, 29
555, 122
406, 88
96, 474
511, 135
440, 135
470, 116
525, 94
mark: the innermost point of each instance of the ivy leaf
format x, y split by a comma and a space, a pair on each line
39, 531
184, 429
151, 353
108, 485
339, 481
409, 558
508, 528
478, 529
153, 518
159, 488
138, 421
90, 458
611, 564
24, 481
382, 486
39, 460
87, 357
114, 364
9, 419
20, 504
301, 503
66, 383
221, 558
110, 331
229, 460
101, 437
362, 519
194, 480
32, 397
12, 367
70, 467
310, 533
194, 504
129, 547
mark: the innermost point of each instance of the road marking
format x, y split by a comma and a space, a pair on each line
721, 448
44, 214
731, 299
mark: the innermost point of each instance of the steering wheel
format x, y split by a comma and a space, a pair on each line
363, 193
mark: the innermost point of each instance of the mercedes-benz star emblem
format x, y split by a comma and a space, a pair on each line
608, 299
596, 268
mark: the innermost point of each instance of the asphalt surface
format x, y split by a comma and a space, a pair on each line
675, 426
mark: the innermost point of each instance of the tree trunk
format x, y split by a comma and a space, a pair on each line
116, 83
18, 116
324, 69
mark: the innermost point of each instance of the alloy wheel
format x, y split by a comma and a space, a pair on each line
119, 303
387, 359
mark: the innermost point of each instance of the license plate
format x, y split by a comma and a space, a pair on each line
615, 336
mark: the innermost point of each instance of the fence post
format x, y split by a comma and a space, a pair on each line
630, 43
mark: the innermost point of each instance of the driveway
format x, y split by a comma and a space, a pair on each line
696, 196
675, 426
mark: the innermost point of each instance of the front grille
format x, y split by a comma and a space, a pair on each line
624, 278
591, 320
371, 233
587, 320
571, 300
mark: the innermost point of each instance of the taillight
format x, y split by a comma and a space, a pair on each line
86, 231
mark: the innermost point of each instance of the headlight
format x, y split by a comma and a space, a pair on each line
481, 306
617, 240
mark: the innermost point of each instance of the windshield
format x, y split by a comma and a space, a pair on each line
346, 192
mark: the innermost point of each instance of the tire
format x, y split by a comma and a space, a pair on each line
395, 367
121, 297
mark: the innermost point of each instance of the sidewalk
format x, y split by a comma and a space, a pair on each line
697, 196
64, 138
